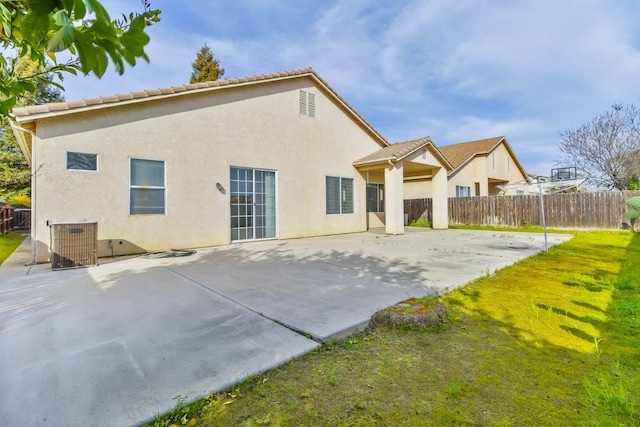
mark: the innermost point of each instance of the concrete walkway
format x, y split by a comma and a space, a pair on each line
115, 344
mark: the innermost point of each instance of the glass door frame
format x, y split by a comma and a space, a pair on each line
249, 205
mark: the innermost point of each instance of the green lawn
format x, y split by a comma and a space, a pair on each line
551, 340
8, 243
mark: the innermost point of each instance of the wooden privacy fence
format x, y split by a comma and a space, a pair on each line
6, 218
21, 219
572, 210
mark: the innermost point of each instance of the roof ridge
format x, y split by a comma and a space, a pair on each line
497, 138
150, 93
396, 150
460, 153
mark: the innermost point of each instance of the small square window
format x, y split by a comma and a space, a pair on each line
82, 161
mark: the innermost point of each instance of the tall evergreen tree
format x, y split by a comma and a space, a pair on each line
206, 68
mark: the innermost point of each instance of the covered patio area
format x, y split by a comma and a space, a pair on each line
390, 166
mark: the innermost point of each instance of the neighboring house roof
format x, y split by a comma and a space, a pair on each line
25, 116
400, 150
462, 153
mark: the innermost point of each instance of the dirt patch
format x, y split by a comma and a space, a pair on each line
411, 313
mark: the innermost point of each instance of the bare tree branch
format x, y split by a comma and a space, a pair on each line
606, 149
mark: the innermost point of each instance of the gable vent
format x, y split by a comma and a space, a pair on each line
312, 104
303, 102
307, 103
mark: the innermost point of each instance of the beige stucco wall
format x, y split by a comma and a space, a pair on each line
200, 136
501, 166
474, 171
418, 189
498, 165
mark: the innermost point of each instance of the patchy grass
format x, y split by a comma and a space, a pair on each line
8, 243
526, 228
414, 306
421, 223
551, 340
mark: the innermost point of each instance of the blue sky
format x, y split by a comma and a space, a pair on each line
453, 70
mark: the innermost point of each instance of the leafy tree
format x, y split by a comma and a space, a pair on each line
15, 175
634, 183
206, 68
607, 148
39, 29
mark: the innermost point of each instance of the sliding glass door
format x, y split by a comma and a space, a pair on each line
253, 204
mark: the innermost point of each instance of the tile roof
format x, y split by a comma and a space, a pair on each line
458, 154
155, 93
395, 151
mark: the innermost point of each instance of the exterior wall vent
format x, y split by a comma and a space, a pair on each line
312, 105
74, 245
303, 102
307, 103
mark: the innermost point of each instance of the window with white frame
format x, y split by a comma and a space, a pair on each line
375, 197
147, 187
82, 161
307, 103
463, 191
339, 195
519, 192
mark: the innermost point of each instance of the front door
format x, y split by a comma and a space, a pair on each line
253, 204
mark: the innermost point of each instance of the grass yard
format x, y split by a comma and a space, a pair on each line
551, 340
8, 243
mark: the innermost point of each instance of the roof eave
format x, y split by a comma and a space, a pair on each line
20, 133
151, 98
513, 156
376, 162
348, 108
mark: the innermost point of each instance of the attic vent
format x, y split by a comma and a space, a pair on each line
312, 105
307, 103
303, 102
74, 245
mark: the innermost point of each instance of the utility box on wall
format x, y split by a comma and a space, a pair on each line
74, 245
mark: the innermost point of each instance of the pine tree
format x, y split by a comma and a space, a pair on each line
206, 68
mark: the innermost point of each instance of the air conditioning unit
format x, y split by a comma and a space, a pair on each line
74, 245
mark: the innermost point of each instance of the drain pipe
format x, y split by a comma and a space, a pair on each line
34, 171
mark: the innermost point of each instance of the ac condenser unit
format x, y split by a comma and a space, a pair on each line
74, 245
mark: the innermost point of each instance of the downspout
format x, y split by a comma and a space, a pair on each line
34, 223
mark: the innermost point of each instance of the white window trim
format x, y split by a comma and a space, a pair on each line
466, 189
164, 185
97, 169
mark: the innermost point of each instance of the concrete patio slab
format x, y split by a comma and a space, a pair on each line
115, 344
328, 286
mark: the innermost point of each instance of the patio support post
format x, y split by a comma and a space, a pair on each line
394, 201
440, 220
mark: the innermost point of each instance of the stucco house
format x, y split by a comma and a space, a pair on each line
479, 167
271, 156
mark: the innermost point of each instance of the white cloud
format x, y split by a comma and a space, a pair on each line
453, 70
